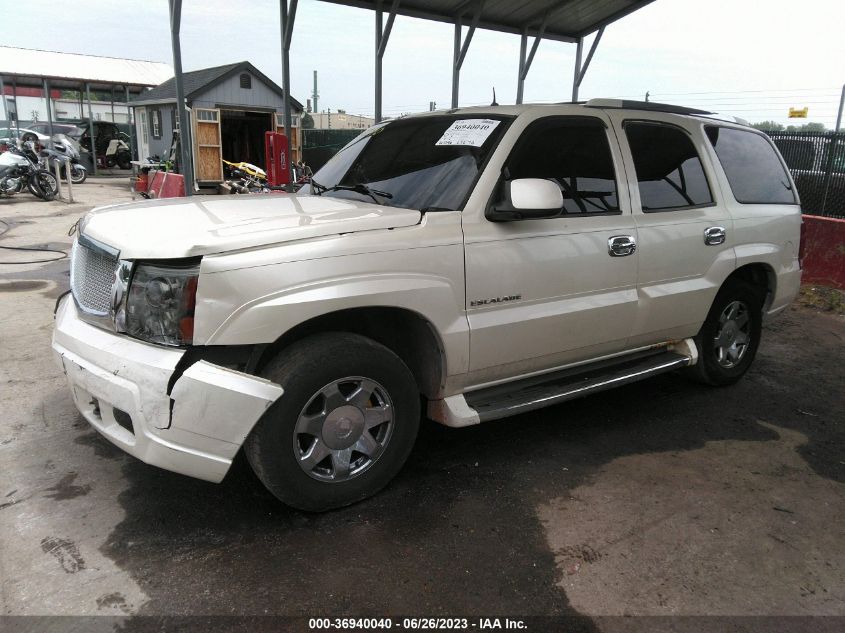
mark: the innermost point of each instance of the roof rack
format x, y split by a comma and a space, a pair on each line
650, 106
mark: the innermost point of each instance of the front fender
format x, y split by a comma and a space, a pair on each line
259, 304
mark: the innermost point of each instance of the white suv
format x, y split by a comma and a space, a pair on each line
470, 265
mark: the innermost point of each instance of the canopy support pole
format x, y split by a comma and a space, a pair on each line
15, 103
382, 35
185, 164
49, 112
130, 119
581, 71
525, 63
91, 128
460, 51
287, 18
3, 99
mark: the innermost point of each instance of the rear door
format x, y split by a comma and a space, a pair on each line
685, 231
545, 293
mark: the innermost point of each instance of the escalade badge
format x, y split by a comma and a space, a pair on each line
483, 302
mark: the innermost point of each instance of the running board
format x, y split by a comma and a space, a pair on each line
528, 395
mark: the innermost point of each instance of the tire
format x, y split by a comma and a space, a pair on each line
124, 160
330, 381
729, 338
29, 136
78, 175
43, 184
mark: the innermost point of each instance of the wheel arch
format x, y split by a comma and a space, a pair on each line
759, 275
406, 333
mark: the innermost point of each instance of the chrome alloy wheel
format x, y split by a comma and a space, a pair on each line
733, 334
343, 429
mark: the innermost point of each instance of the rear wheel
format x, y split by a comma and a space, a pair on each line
729, 337
344, 426
43, 184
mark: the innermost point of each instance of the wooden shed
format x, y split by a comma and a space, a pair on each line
231, 108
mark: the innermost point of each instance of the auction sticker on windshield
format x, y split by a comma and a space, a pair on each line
468, 132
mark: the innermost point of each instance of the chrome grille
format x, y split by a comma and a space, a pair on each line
91, 278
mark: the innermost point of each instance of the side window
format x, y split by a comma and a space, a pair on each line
574, 153
669, 172
754, 170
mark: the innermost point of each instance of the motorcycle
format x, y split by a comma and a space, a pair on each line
65, 152
18, 171
245, 178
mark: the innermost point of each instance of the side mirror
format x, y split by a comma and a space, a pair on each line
527, 199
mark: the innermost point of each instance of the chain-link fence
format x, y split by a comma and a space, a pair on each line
817, 163
318, 146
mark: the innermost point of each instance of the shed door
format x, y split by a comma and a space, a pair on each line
207, 141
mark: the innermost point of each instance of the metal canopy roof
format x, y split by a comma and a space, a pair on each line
69, 70
566, 20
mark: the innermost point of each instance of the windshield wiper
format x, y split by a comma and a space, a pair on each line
359, 188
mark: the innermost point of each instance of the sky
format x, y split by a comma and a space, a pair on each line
752, 59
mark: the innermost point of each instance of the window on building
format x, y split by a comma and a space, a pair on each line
574, 153
155, 123
669, 171
174, 120
754, 171
246, 81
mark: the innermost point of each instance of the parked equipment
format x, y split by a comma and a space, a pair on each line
65, 152
19, 170
118, 153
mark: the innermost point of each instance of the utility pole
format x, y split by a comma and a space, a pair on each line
647, 95
329, 116
315, 95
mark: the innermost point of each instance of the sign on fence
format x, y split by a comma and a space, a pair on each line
798, 113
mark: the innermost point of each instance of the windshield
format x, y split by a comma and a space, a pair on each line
428, 162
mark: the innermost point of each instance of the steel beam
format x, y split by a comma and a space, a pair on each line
131, 120
185, 164
525, 63
460, 50
581, 70
3, 99
382, 36
286, 22
91, 129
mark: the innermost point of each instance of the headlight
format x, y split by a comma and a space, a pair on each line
161, 302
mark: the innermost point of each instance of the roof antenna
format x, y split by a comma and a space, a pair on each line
494, 97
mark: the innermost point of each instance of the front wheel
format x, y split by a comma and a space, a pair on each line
78, 174
729, 337
344, 426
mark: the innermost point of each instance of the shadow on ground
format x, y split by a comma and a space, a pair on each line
457, 531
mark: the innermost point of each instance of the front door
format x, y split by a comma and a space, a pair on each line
208, 147
546, 293
142, 133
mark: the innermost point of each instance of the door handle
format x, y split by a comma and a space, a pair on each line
714, 235
621, 245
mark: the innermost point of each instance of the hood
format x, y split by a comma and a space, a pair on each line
202, 225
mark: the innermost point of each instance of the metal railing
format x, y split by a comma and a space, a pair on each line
817, 163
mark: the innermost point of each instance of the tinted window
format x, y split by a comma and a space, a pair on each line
669, 171
754, 170
575, 154
411, 162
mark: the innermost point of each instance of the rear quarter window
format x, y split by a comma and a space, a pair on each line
755, 173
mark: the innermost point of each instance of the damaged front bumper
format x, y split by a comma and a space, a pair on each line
120, 385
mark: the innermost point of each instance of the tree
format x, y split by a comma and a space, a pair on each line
768, 126
807, 127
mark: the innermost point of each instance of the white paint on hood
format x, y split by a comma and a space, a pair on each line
202, 225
